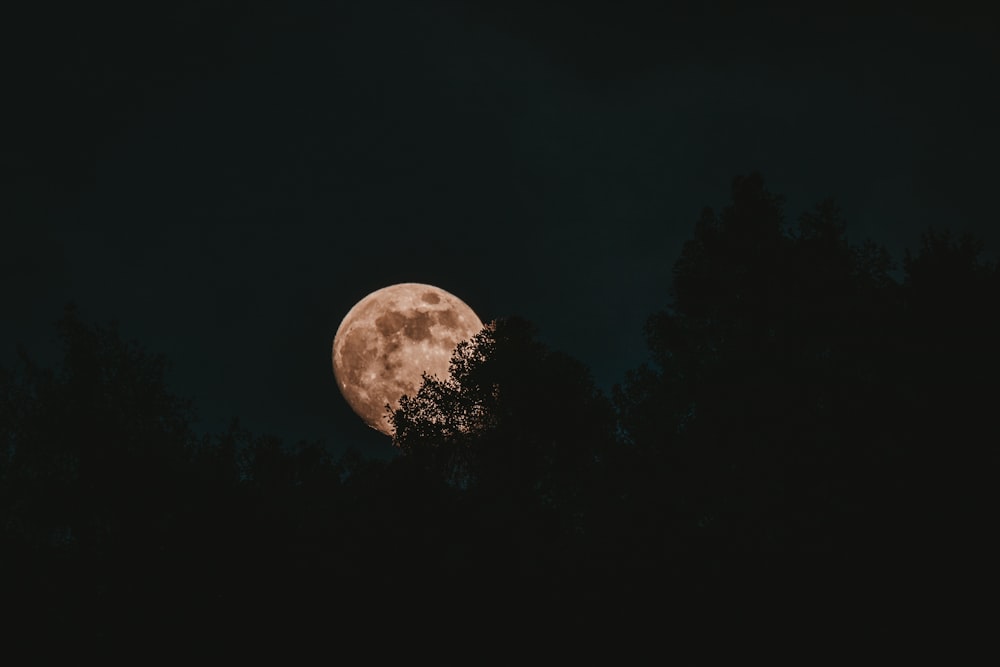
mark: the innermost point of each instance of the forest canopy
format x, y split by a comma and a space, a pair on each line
798, 399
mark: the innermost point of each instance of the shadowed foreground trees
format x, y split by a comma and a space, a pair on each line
805, 417
523, 437
799, 397
513, 418
120, 527
117, 523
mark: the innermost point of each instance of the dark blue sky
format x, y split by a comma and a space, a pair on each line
228, 179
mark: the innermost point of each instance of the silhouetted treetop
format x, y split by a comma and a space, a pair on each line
798, 391
513, 414
948, 278
799, 399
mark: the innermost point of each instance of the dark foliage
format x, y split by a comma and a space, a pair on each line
805, 417
513, 417
802, 399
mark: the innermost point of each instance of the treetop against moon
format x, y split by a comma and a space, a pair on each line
390, 338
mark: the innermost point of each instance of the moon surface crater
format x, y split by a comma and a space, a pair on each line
390, 338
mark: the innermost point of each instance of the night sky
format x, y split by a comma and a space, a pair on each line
226, 179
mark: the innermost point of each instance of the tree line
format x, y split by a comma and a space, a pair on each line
801, 407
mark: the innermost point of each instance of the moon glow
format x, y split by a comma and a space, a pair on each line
392, 336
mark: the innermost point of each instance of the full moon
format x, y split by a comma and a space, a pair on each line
390, 338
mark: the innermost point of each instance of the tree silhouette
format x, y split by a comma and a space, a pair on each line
799, 397
947, 361
513, 415
92, 456
524, 433
799, 401
88, 445
742, 406
119, 526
